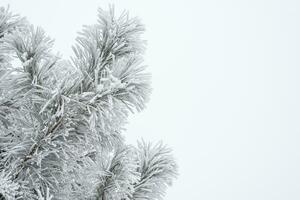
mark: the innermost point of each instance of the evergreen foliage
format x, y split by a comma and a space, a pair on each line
61, 122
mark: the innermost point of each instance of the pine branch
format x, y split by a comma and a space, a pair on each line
8, 188
62, 121
99, 45
9, 22
118, 183
157, 168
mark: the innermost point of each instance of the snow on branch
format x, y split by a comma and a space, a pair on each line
100, 45
62, 122
121, 174
157, 168
9, 22
30, 46
8, 188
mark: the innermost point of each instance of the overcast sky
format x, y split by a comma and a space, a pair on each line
226, 88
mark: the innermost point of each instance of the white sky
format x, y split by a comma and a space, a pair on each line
226, 88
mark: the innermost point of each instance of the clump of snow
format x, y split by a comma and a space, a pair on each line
27, 62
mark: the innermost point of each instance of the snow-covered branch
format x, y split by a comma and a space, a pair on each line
62, 121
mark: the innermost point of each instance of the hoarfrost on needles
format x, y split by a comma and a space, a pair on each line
62, 122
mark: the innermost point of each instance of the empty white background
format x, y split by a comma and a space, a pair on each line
226, 88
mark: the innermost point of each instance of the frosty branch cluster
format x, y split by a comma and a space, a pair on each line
61, 122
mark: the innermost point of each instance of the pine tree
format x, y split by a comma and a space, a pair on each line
62, 122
